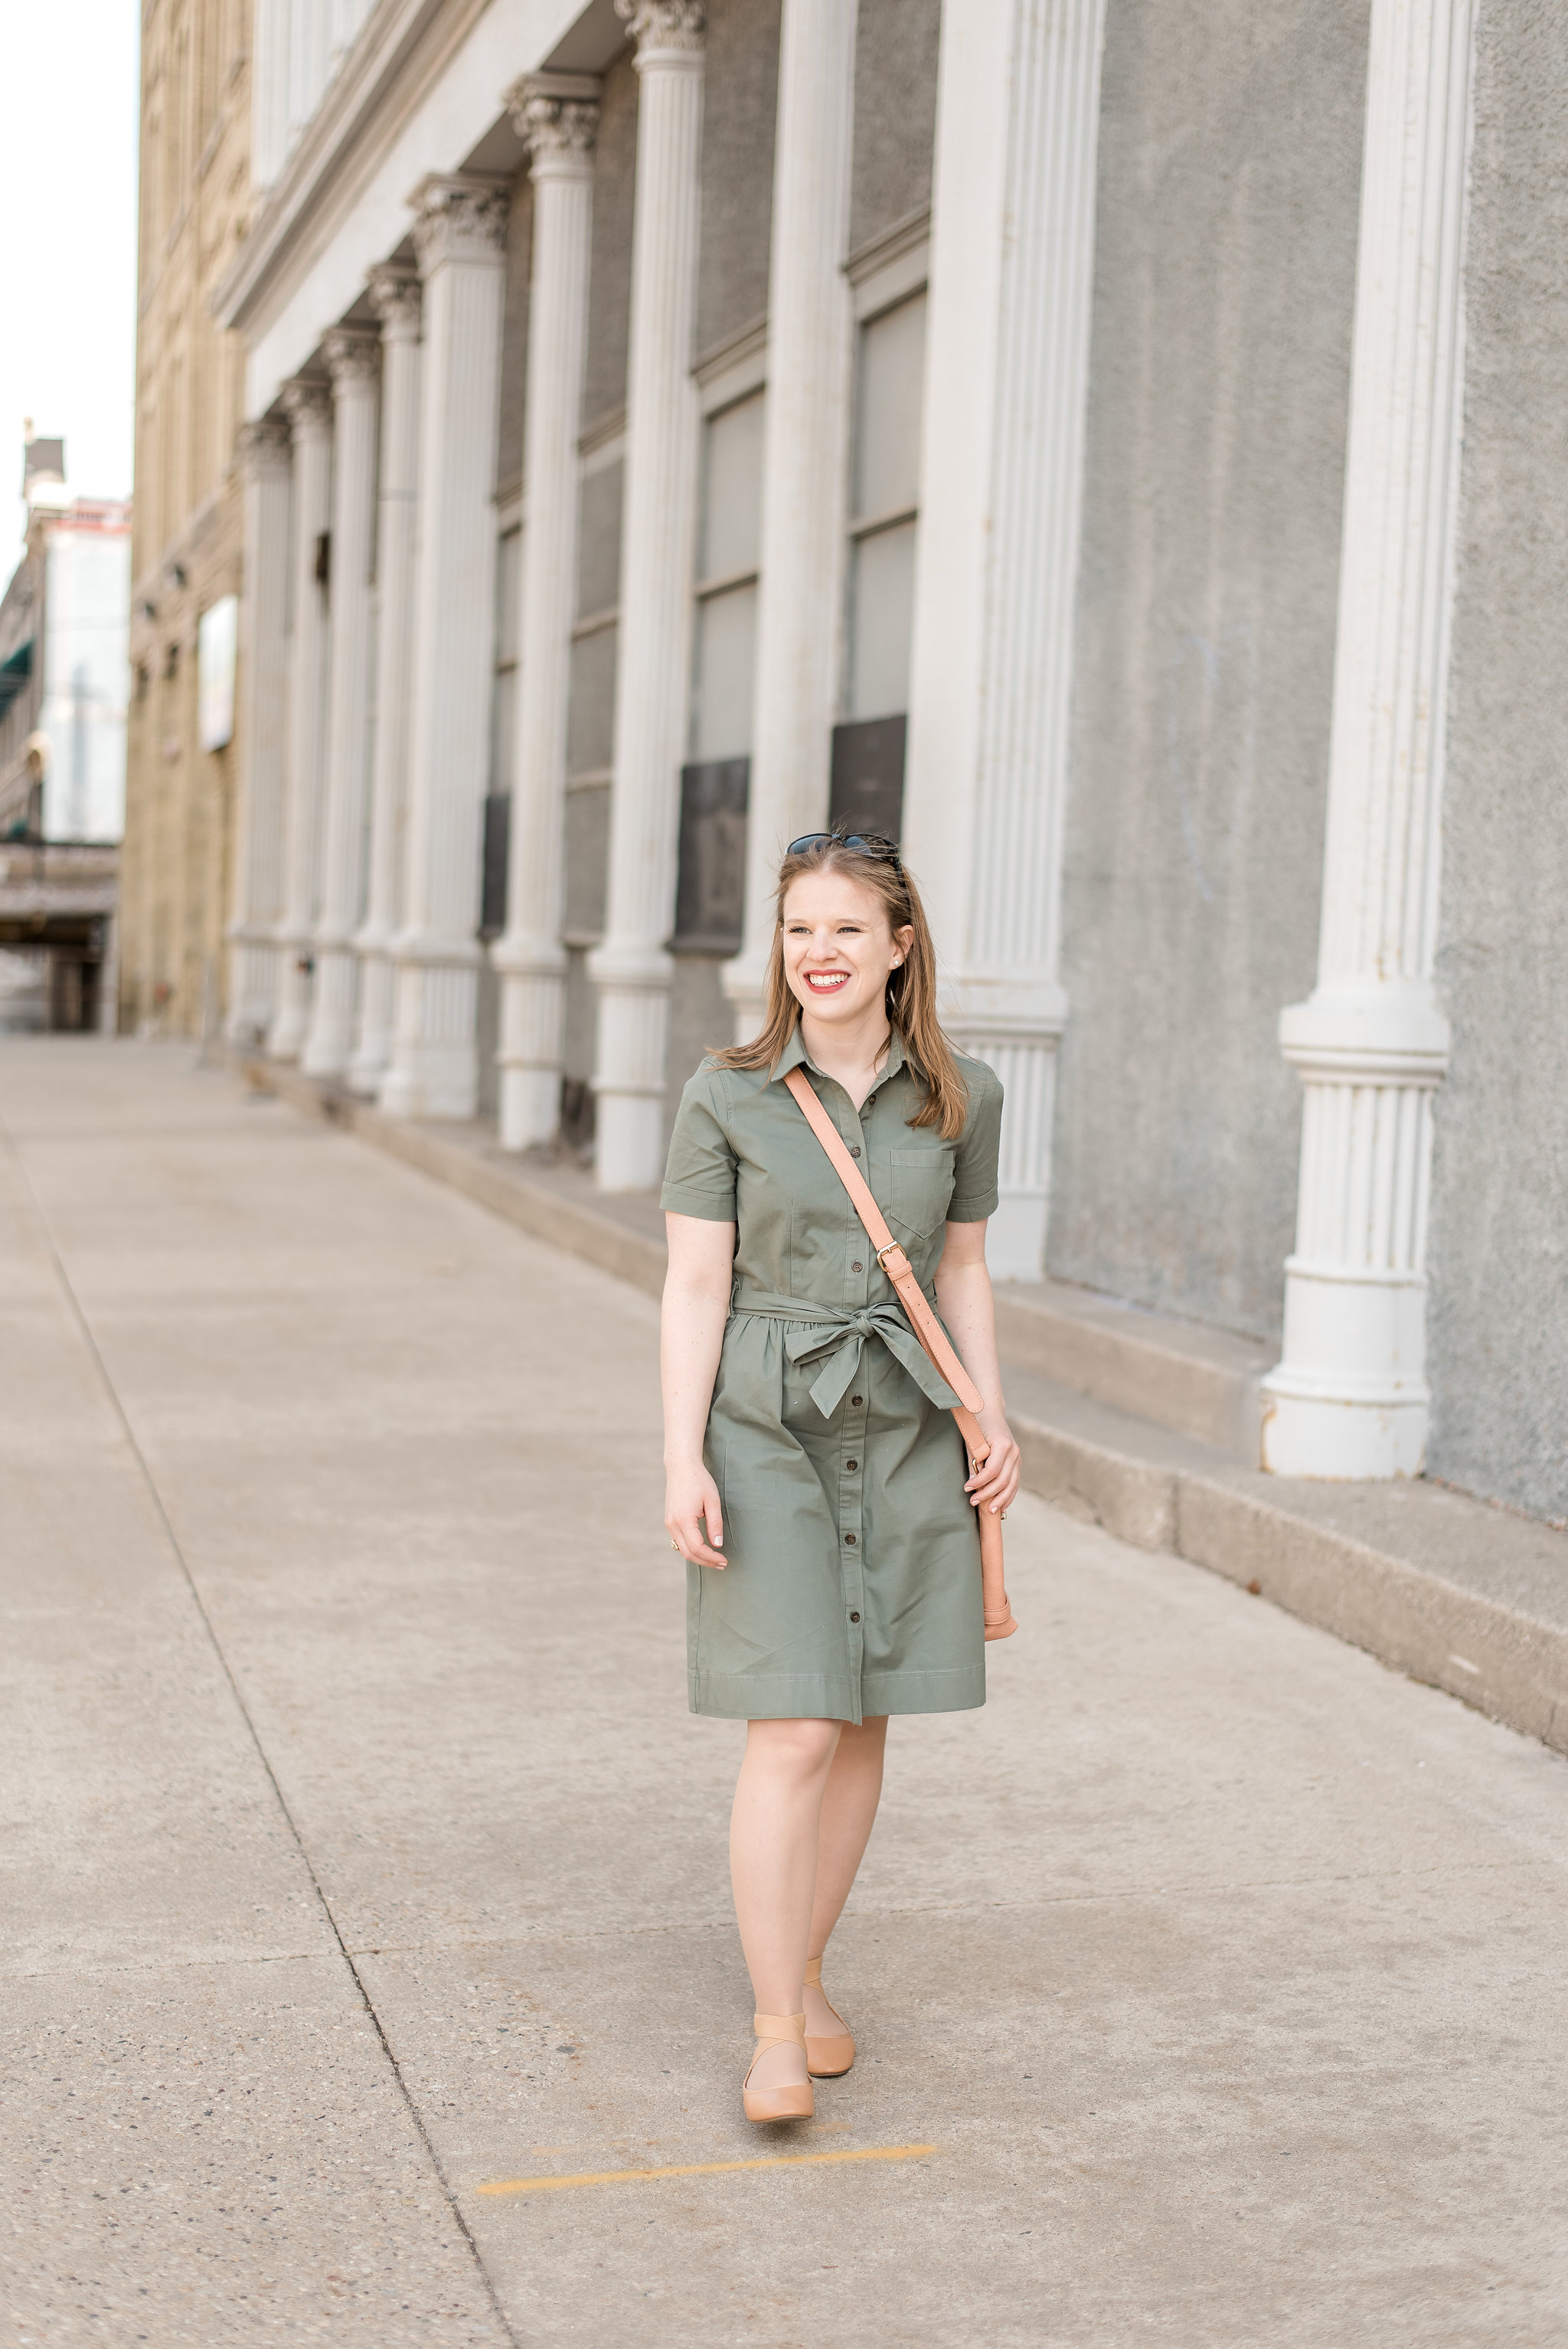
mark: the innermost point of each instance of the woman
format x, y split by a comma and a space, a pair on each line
816, 1483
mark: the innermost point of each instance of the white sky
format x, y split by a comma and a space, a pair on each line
68, 195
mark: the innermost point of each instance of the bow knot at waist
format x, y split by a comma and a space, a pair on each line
835, 1336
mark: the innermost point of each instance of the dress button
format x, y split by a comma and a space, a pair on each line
854, 1619
855, 1403
854, 1150
857, 1266
851, 1463
851, 1539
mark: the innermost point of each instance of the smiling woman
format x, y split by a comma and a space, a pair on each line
816, 1482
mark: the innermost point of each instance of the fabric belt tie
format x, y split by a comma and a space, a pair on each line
836, 1339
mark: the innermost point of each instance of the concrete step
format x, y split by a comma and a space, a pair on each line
1179, 1374
1447, 1588
1452, 1591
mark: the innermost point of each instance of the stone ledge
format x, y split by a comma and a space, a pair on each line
1469, 1598
1197, 1381
1466, 1597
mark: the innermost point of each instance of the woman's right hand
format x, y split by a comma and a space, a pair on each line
692, 1503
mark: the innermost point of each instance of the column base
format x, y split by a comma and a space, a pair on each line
434, 1071
1348, 1400
1337, 1441
1014, 1030
528, 1108
378, 1007
532, 1016
744, 987
628, 1140
291, 1022
629, 1083
252, 993
1016, 1236
330, 1043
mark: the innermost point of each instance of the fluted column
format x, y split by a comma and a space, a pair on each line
261, 733
810, 346
558, 116
395, 297
632, 968
1350, 1398
1001, 499
460, 236
353, 362
309, 407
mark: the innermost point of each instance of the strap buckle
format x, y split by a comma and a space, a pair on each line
893, 1247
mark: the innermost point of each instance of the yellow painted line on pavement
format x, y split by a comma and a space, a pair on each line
706, 2169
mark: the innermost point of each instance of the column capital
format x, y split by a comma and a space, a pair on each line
352, 354
307, 404
459, 216
263, 445
662, 27
556, 115
395, 295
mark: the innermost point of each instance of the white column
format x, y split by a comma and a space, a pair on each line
632, 968
269, 90
1350, 1398
558, 116
1001, 499
460, 235
395, 297
261, 733
309, 407
811, 353
353, 362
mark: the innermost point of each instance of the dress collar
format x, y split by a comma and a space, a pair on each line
795, 1056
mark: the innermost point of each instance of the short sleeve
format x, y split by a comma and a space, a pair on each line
699, 1173
975, 1193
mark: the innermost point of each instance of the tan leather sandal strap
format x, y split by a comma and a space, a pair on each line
814, 1974
777, 2030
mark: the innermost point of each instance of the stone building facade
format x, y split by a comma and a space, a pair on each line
1110, 445
186, 551
62, 753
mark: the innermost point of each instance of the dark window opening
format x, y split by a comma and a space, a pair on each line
710, 890
866, 790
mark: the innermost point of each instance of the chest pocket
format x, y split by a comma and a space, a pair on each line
922, 1186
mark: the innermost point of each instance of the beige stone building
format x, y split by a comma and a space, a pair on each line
195, 197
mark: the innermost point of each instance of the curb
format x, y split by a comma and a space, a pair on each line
1502, 1659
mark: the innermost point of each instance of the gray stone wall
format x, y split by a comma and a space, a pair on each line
701, 1018
1498, 1315
1228, 184
740, 104
896, 113
610, 266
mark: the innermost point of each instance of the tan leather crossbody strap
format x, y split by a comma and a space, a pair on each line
1000, 1623
893, 1261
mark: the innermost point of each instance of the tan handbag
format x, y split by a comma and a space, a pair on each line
999, 1621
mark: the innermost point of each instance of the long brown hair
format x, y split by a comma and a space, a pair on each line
911, 989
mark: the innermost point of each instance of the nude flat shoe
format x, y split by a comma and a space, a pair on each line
828, 2058
792, 2104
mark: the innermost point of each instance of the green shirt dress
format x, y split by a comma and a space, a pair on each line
854, 1581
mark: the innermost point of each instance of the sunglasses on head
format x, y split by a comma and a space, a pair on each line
870, 844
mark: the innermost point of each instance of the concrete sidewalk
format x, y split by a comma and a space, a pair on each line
362, 1858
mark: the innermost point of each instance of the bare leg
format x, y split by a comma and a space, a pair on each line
773, 1840
849, 1811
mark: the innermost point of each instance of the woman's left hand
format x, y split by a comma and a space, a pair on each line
995, 1482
